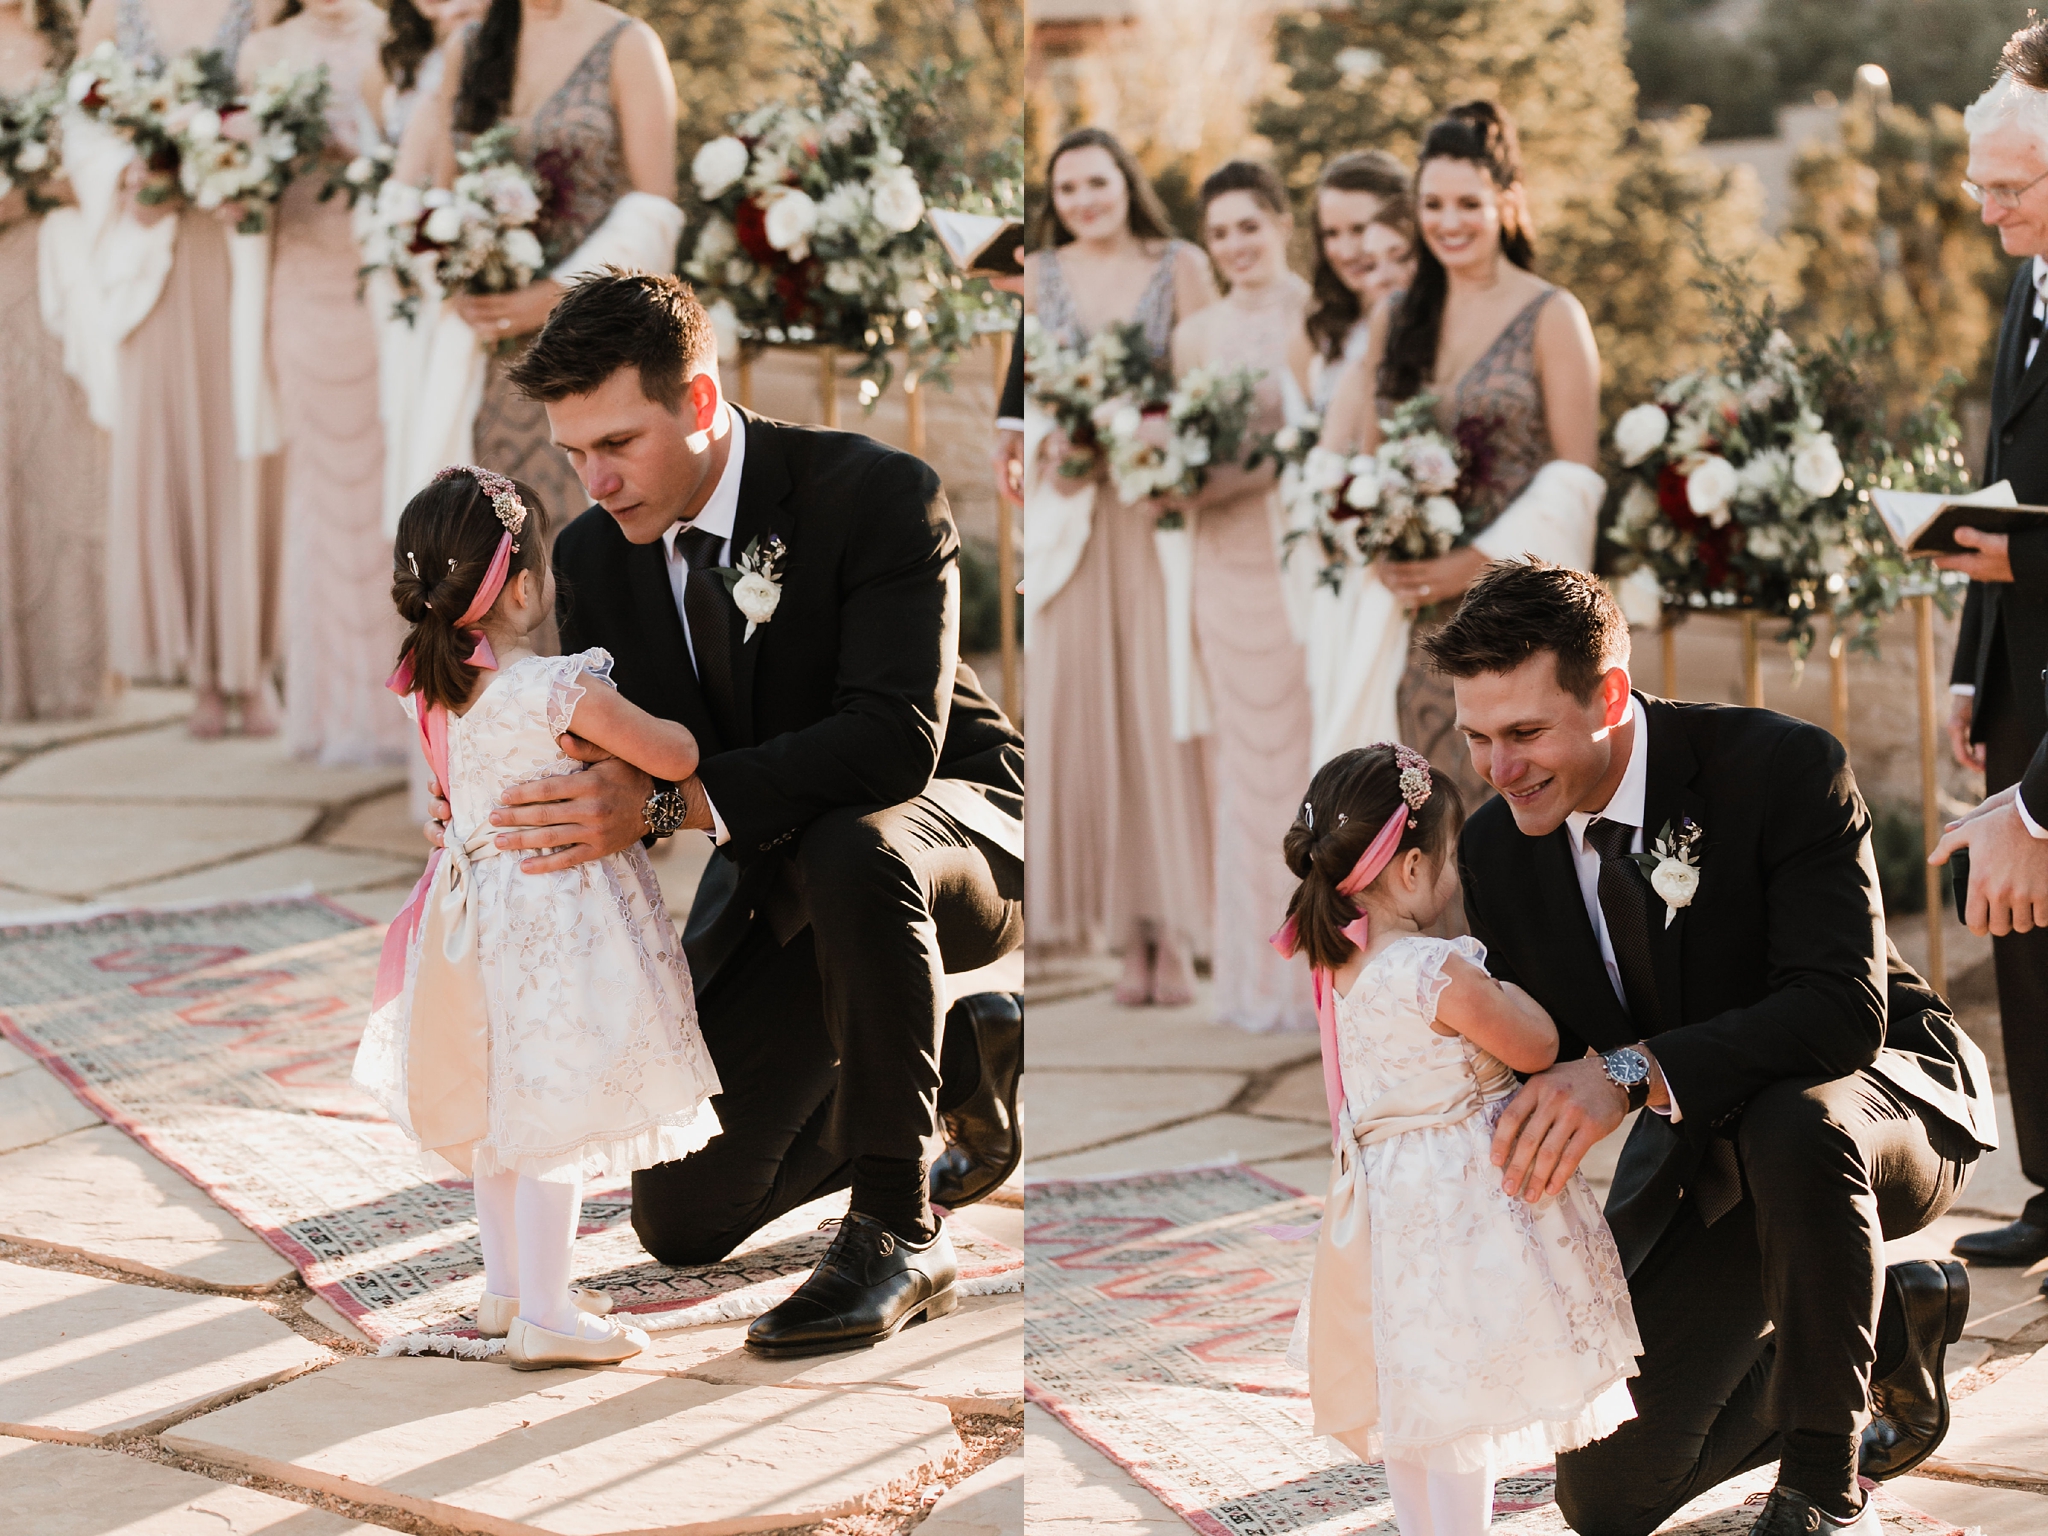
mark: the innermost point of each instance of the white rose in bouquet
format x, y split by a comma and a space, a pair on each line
842, 209
1766, 541
1363, 493
1441, 516
522, 249
897, 201
843, 276
444, 225
756, 597
1641, 598
202, 127
1709, 487
1432, 465
1640, 433
1816, 466
791, 217
717, 165
398, 203
32, 157
1287, 439
1323, 470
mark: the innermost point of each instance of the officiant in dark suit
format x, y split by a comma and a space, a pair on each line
1999, 716
1807, 1095
792, 596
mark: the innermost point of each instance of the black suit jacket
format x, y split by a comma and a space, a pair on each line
1011, 407
852, 694
2013, 617
1779, 969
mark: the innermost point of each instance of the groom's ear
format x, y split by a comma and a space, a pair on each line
700, 401
1614, 696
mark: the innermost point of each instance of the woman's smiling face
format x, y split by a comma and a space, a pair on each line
1089, 193
1458, 209
1246, 239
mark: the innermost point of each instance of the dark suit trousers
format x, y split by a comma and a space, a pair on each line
1767, 1320
2020, 961
828, 1047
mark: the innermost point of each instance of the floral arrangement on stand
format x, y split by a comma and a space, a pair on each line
1747, 486
30, 146
810, 224
247, 151
1079, 386
1399, 502
152, 109
481, 235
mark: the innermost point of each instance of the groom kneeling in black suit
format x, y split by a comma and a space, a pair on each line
792, 596
1809, 1095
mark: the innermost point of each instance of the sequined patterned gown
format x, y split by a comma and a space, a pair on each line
573, 140
342, 633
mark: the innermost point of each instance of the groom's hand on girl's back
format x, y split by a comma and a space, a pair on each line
577, 816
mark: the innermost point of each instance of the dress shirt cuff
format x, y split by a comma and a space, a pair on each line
2019, 801
1963, 690
718, 835
1009, 423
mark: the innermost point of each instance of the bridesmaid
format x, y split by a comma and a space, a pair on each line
53, 643
342, 632
414, 57
1256, 673
1512, 363
1365, 250
192, 530
594, 98
1118, 836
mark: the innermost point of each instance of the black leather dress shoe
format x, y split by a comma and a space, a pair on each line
869, 1284
2021, 1242
1909, 1406
984, 1143
1787, 1512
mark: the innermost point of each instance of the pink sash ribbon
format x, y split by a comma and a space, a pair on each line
1376, 857
433, 727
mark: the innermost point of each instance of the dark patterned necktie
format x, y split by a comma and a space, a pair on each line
1626, 901
706, 607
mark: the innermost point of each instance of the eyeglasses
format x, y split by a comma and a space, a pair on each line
2004, 197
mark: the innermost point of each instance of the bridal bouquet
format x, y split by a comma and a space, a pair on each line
152, 109
363, 178
478, 236
1399, 502
1080, 387
248, 150
29, 144
1164, 447
813, 218
1748, 485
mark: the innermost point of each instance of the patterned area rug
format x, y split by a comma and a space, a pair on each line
221, 1039
1158, 1334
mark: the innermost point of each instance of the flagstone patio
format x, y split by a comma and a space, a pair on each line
163, 1371
1122, 1090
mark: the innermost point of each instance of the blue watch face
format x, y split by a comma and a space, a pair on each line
1626, 1067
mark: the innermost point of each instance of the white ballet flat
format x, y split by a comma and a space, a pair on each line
494, 1314
532, 1348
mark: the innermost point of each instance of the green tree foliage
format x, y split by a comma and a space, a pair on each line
1889, 246
1615, 201
1937, 52
731, 55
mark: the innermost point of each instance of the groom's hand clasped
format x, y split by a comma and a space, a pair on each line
578, 816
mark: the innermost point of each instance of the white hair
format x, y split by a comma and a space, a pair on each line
2009, 100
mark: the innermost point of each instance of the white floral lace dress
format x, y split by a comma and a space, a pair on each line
597, 1066
1502, 1331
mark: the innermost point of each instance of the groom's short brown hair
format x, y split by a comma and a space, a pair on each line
615, 320
1519, 607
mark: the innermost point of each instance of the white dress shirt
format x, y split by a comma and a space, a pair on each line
1626, 806
716, 516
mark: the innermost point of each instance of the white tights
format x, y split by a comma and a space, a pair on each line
528, 1228
1430, 1503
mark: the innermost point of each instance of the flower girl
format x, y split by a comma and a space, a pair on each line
528, 1031
1449, 1327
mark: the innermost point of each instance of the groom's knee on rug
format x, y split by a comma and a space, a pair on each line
1604, 1494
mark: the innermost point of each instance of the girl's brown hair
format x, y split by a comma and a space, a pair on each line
1349, 801
447, 537
1147, 216
1378, 174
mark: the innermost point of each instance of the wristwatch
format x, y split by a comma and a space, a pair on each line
666, 809
1629, 1070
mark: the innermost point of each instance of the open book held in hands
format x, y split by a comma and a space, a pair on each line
980, 244
1925, 522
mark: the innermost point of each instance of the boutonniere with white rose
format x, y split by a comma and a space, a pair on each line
1673, 866
755, 581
